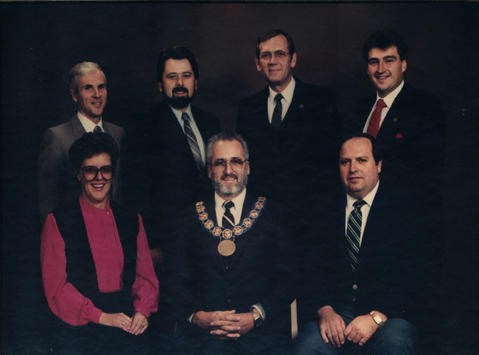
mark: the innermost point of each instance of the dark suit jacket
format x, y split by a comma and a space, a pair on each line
259, 272
175, 181
394, 260
56, 182
412, 137
302, 154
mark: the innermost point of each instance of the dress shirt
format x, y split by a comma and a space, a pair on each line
89, 125
285, 101
388, 100
64, 299
235, 211
194, 127
369, 198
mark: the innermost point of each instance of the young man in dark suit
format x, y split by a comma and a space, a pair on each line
367, 291
89, 92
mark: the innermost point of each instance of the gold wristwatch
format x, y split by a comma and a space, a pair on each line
377, 318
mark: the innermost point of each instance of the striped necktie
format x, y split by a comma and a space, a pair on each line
192, 142
228, 219
353, 233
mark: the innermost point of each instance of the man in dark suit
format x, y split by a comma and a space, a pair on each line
176, 133
229, 277
367, 289
56, 181
410, 125
290, 126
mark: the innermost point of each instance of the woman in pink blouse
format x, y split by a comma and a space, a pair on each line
97, 270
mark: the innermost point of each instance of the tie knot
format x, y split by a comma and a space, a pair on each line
97, 129
228, 204
380, 103
278, 98
185, 117
359, 203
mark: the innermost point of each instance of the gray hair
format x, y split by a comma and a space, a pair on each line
225, 136
81, 69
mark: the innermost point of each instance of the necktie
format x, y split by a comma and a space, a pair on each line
353, 233
278, 111
97, 129
228, 219
373, 127
192, 142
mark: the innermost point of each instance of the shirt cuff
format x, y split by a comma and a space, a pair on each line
259, 308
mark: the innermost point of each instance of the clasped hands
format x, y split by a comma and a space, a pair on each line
333, 329
224, 324
135, 325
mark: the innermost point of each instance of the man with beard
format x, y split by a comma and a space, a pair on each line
228, 279
176, 136
56, 181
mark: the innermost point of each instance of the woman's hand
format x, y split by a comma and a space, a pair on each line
117, 320
139, 323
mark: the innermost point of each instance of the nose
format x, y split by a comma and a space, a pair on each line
96, 92
228, 169
352, 167
381, 66
179, 80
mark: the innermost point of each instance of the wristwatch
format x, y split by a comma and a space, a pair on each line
258, 320
376, 318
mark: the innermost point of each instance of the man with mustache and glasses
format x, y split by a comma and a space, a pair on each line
175, 137
228, 280
89, 92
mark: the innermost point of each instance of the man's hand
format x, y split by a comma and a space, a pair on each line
118, 320
205, 321
234, 326
361, 329
139, 323
331, 326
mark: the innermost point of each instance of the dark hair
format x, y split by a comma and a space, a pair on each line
225, 136
274, 33
90, 144
383, 39
175, 52
376, 148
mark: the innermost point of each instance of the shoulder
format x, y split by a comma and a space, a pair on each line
255, 98
307, 90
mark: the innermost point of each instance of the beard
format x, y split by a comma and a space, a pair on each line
178, 102
228, 189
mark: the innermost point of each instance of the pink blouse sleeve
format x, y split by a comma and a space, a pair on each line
65, 301
145, 289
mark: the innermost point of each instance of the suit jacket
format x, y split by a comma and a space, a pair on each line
394, 260
258, 272
412, 137
175, 181
301, 155
56, 181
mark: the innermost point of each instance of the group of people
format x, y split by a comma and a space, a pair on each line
341, 216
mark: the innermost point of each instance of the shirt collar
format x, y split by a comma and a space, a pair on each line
238, 200
369, 198
389, 98
88, 124
287, 92
178, 113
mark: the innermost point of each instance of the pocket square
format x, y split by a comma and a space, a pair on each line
399, 135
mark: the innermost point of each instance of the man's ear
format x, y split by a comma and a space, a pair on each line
160, 86
73, 95
380, 165
403, 65
256, 62
294, 58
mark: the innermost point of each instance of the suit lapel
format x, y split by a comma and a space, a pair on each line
77, 128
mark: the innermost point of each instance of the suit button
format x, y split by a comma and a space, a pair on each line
355, 287
227, 268
354, 299
228, 300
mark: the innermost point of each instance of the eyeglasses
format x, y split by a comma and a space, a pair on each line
235, 163
90, 172
267, 56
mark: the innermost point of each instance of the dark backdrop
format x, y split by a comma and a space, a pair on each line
40, 42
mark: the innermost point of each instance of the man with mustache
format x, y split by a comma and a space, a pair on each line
228, 280
365, 294
89, 92
175, 140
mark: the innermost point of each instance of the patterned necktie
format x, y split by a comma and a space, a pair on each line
278, 111
97, 129
373, 127
192, 142
228, 219
353, 233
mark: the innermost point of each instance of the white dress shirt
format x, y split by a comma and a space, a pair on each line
285, 101
89, 125
235, 211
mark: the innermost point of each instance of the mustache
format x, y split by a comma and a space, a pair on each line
232, 175
180, 89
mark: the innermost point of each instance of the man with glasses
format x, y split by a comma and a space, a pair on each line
228, 282
291, 127
89, 92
